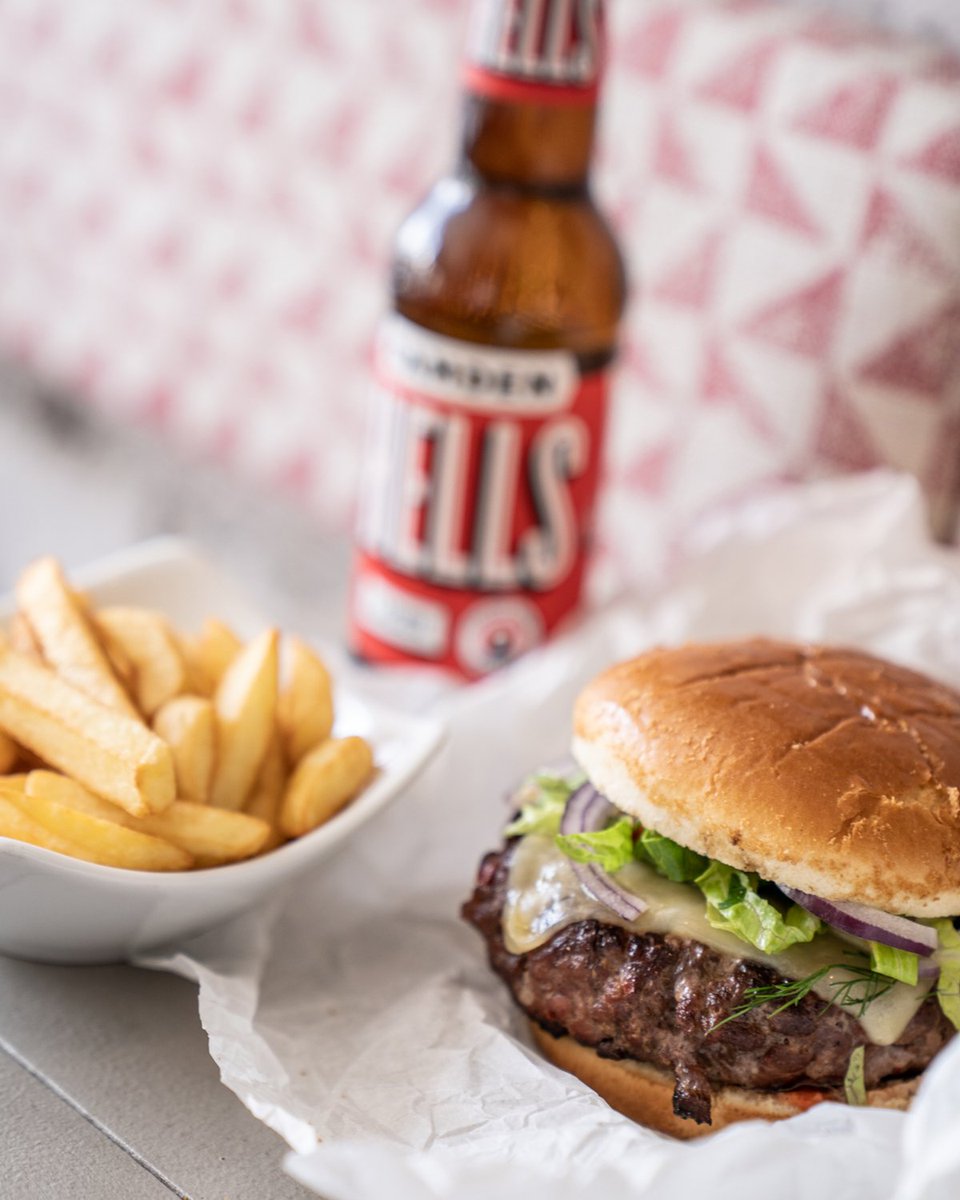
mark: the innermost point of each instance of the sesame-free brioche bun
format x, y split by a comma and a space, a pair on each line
645, 1093
820, 768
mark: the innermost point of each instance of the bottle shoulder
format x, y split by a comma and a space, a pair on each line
510, 266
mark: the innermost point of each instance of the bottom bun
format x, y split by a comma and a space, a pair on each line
645, 1093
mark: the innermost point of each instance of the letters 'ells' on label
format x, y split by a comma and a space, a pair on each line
477, 502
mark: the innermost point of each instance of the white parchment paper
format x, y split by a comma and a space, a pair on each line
356, 1015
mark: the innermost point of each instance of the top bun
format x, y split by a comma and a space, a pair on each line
821, 768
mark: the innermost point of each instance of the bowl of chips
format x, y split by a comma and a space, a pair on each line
168, 758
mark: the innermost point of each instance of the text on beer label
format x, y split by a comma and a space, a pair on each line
476, 507
483, 378
420, 514
544, 41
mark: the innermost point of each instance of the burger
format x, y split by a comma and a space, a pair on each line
738, 900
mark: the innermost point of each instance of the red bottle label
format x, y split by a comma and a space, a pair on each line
477, 503
535, 51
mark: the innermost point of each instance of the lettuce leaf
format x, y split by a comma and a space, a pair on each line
734, 904
733, 900
542, 799
669, 858
948, 956
610, 848
897, 964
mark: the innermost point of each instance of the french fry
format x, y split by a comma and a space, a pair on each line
65, 637
16, 824
305, 706
246, 705
21, 637
9, 754
188, 725
108, 842
267, 795
211, 835
325, 781
234, 764
218, 647
145, 640
114, 756
209, 655
121, 665
51, 785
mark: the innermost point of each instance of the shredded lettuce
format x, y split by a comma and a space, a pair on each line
897, 964
734, 904
854, 1082
669, 858
610, 848
948, 956
542, 799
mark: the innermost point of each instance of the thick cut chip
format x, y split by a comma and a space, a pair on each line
21, 637
246, 706
188, 725
267, 795
112, 755
14, 823
103, 840
305, 707
211, 835
145, 640
65, 637
325, 781
9, 754
120, 662
210, 654
51, 785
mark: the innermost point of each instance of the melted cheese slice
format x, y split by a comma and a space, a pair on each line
544, 895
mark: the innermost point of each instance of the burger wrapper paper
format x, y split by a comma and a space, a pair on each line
356, 1014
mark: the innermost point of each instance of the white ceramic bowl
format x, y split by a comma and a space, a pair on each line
58, 909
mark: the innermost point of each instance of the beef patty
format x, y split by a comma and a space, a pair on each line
656, 998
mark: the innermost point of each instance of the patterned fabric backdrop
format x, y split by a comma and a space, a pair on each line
197, 202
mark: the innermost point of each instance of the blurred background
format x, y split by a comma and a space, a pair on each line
197, 202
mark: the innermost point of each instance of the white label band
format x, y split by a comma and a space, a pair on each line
522, 383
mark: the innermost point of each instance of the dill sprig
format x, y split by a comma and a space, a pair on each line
855, 993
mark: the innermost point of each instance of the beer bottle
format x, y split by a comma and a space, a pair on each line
483, 457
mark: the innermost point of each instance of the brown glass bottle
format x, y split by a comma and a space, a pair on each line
509, 252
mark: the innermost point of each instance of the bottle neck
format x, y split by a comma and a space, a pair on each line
540, 146
532, 72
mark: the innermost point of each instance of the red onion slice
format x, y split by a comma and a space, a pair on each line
586, 812
870, 923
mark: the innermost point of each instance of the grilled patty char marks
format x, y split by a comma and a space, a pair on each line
656, 998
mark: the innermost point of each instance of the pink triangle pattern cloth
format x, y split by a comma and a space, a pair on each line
793, 209
196, 206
